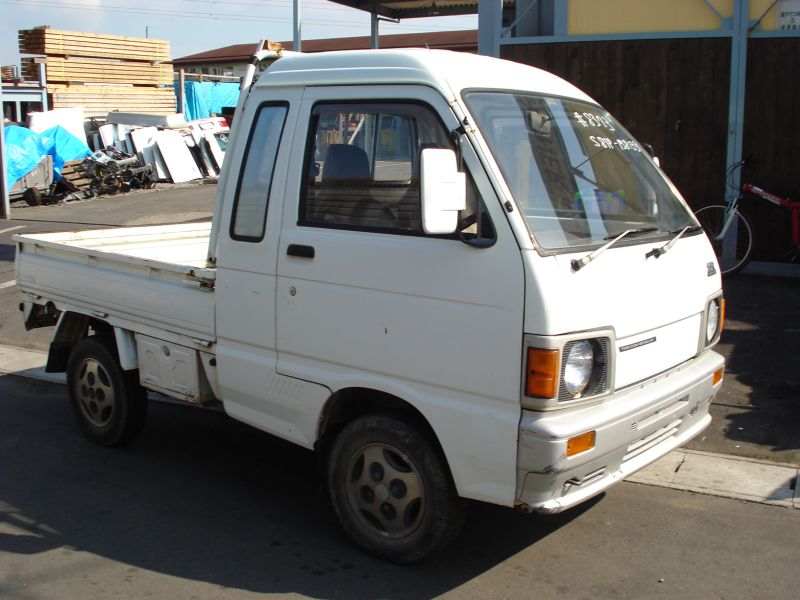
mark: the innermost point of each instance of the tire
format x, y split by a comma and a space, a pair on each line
32, 196
392, 491
109, 404
712, 219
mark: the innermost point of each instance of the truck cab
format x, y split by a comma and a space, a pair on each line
454, 277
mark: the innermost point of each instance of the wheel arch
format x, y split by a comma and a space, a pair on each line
348, 404
71, 328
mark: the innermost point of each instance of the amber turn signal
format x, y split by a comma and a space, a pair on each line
580, 443
718, 375
722, 315
541, 375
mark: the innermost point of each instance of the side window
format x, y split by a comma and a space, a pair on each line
362, 165
252, 192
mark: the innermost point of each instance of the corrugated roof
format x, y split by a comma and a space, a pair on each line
466, 41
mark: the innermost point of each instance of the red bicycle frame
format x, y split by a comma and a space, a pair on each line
792, 205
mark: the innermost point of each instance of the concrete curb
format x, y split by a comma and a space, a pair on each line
691, 470
727, 476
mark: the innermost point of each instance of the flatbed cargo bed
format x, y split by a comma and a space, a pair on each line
150, 276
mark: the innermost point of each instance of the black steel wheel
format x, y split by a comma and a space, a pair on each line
391, 489
109, 404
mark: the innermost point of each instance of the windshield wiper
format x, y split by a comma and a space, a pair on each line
657, 252
579, 263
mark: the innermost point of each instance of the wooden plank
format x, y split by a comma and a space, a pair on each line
98, 101
96, 90
75, 43
61, 70
38, 36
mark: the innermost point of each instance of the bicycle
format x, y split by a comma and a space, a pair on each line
722, 223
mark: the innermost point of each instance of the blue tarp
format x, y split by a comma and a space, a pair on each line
25, 149
63, 146
206, 97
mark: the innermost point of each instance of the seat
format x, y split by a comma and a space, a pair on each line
345, 162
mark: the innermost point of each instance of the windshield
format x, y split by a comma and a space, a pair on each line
575, 173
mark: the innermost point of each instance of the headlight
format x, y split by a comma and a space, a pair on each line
579, 364
712, 320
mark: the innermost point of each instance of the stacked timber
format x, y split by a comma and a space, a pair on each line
8, 72
101, 73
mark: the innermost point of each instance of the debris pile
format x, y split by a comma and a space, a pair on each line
129, 151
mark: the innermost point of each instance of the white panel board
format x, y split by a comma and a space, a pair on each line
178, 158
70, 119
108, 133
144, 140
216, 151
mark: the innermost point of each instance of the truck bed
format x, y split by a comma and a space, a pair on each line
144, 277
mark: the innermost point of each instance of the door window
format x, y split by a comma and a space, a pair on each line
362, 166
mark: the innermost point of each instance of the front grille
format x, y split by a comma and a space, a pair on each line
598, 384
654, 439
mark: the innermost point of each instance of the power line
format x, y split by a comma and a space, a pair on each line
195, 15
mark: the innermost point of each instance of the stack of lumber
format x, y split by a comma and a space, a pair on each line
82, 70
101, 73
7, 73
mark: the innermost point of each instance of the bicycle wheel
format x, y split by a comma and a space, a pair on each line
732, 254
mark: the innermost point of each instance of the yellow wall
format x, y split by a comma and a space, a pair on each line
586, 17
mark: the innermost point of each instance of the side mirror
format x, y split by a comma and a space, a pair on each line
443, 191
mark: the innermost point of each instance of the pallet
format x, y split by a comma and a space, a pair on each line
70, 70
73, 177
53, 42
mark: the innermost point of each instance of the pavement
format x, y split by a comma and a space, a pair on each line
750, 452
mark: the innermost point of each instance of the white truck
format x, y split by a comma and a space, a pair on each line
452, 276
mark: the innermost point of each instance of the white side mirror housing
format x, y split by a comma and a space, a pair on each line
443, 191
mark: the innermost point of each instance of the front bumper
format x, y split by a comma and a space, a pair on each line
634, 427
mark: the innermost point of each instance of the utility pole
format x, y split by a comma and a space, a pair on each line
297, 25
5, 204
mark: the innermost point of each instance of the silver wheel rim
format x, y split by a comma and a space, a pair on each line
385, 490
95, 393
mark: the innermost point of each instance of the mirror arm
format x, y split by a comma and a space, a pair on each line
457, 137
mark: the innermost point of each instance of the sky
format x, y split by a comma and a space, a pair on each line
193, 26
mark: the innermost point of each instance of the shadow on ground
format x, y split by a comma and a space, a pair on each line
201, 497
757, 412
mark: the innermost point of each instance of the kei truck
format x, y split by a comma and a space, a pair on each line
452, 276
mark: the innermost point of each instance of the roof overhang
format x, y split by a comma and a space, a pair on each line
409, 9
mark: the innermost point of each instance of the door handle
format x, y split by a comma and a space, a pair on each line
300, 251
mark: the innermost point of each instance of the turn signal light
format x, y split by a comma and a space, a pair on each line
541, 376
580, 443
718, 375
722, 315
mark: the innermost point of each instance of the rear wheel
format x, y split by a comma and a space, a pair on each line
109, 404
735, 248
392, 491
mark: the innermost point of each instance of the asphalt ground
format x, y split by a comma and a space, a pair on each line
756, 414
202, 507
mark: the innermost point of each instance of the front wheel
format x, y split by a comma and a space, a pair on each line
734, 249
391, 489
109, 404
